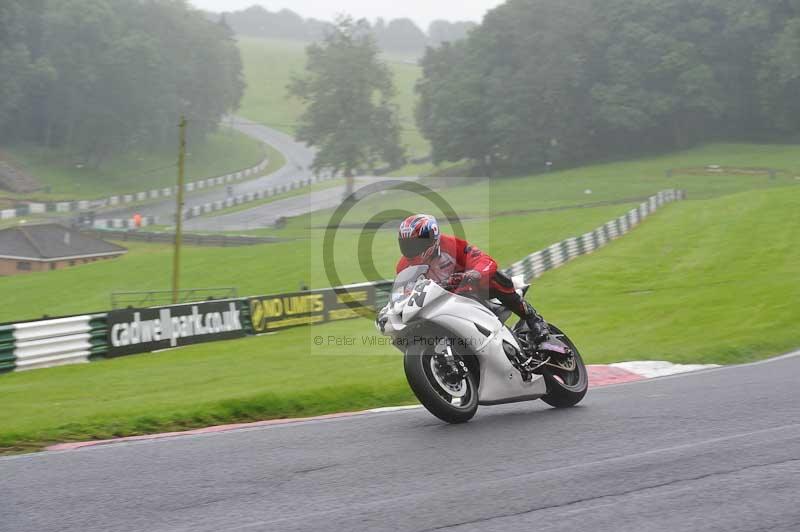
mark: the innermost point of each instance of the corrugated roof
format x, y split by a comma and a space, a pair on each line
52, 241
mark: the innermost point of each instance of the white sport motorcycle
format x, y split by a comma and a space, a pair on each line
460, 354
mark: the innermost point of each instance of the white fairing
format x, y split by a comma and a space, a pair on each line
429, 303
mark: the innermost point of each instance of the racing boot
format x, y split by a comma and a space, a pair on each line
539, 331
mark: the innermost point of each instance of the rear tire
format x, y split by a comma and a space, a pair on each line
565, 389
420, 368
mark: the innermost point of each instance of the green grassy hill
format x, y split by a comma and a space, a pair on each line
710, 280
269, 65
64, 175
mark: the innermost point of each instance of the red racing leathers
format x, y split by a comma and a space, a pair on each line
458, 256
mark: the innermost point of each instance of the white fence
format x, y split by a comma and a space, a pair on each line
535, 264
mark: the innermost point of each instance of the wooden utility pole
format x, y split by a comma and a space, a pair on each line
176, 258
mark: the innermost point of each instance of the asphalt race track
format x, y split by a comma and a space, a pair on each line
715, 450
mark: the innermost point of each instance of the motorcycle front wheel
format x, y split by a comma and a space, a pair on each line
450, 401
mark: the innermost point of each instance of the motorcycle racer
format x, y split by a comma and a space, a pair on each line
462, 268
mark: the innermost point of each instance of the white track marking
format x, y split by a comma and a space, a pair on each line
393, 409
657, 368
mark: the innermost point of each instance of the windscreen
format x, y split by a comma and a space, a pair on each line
405, 281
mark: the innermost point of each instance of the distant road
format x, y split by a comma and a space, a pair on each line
710, 451
299, 158
266, 215
298, 162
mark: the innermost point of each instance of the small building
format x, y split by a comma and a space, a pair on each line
45, 247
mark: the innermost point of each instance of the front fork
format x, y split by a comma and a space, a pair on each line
457, 370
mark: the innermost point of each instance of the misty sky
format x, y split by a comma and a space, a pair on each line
421, 11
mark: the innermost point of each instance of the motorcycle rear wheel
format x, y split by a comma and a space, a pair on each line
452, 403
565, 389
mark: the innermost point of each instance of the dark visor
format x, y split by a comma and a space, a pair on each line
414, 247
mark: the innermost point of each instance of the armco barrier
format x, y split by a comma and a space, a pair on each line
77, 339
250, 197
41, 344
121, 199
123, 223
213, 206
212, 240
535, 264
7, 357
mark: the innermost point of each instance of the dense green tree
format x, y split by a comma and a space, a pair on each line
658, 70
549, 80
97, 76
512, 95
348, 92
453, 106
780, 77
21, 71
536, 75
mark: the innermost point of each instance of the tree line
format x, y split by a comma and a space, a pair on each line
397, 36
568, 82
98, 76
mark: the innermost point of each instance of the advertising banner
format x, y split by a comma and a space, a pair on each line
275, 312
144, 330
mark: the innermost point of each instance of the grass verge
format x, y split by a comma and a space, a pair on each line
186, 388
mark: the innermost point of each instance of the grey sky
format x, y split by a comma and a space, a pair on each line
421, 11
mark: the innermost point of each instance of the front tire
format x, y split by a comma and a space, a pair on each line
450, 402
565, 389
